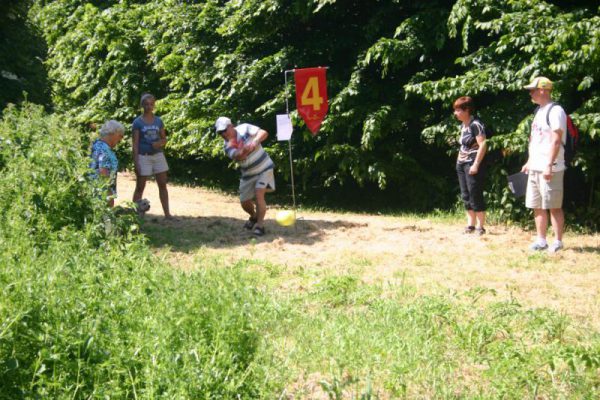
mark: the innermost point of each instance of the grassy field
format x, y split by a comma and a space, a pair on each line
364, 306
340, 306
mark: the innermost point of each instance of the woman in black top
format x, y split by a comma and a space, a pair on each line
469, 166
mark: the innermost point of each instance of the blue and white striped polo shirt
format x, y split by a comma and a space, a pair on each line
256, 162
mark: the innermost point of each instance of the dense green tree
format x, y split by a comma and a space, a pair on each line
506, 44
97, 61
395, 67
22, 51
208, 58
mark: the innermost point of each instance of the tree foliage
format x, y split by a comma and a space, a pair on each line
395, 66
505, 45
204, 59
22, 50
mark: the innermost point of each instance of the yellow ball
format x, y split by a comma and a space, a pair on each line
285, 218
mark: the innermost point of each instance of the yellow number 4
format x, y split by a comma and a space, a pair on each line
310, 95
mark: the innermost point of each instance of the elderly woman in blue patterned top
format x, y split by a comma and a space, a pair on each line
104, 161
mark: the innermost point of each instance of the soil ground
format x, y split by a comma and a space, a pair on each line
430, 254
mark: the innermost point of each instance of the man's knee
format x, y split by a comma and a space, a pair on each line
260, 193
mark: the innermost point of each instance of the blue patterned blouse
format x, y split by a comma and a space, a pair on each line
104, 157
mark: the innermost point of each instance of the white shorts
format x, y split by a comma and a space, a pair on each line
543, 194
152, 164
265, 180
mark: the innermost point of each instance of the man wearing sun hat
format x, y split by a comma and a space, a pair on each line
546, 164
243, 145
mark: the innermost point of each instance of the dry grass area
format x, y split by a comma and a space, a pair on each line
430, 254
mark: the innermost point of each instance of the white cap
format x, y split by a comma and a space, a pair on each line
222, 123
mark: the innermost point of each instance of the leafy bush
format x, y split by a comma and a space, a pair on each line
45, 176
85, 314
113, 322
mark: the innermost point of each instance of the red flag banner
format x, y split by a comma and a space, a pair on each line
311, 96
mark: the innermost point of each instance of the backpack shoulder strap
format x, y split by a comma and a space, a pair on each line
548, 113
568, 118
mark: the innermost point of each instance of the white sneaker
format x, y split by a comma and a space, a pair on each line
556, 246
538, 246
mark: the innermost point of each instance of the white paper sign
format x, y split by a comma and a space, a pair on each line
284, 127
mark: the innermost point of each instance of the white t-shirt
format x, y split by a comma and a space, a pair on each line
540, 141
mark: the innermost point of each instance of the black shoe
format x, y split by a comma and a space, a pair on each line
480, 231
469, 229
259, 231
250, 223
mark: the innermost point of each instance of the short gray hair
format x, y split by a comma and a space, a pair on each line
111, 127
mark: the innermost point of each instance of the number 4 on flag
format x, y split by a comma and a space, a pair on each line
311, 96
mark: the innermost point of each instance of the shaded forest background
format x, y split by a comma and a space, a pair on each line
389, 140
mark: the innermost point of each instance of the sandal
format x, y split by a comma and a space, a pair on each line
469, 229
259, 231
250, 223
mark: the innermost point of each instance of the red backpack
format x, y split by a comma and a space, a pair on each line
571, 139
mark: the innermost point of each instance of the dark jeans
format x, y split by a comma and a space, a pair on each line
471, 186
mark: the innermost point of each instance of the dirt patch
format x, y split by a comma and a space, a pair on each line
430, 255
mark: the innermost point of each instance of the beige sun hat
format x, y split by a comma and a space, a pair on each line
540, 82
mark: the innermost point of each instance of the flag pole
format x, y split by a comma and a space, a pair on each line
287, 111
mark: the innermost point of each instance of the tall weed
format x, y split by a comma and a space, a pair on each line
89, 314
44, 175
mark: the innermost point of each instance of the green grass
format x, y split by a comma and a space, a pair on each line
88, 313
431, 346
330, 333
352, 339
117, 322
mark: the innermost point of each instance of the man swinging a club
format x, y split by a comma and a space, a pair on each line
242, 144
